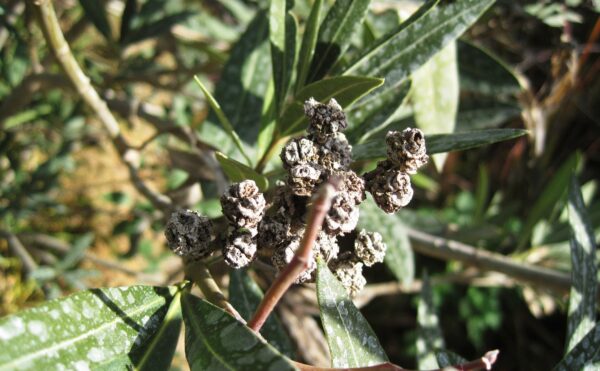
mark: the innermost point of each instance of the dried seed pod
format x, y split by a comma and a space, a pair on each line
335, 153
369, 247
243, 204
342, 216
302, 179
189, 234
349, 273
297, 152
391, 190
407, 149
351, 184
240, 249
272, 230
326, 246
284, 255
324, 119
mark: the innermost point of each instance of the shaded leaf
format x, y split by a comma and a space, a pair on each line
352, 342
94, 10
446, 358
126, 19
478, 113
282, 34
345, 89
214, 340
582, 300
245, 296
442, 142
429, 334
156, 28
335, 34
309, 41
236, 171
585, 352
90, 329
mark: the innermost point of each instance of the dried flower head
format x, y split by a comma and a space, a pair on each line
284, 255
335, 153
326, 246
324, 119
369, 247
351, 184
239, 249
189, 234
342, 216
298, 151
349, 272
243, 204
407, 149
391, 189
302, 179
272, 230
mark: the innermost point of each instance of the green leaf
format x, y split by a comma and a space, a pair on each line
309, 41
585, 352
345, 89
76, 253
245, 296
282, 34
352, 342
442, 142
158, 353
399, 257
435, 95
549, 196
429, 335
335, 34
88, 330
94, 10
476, 113
236, 171
156, 28
582, 300
214, 340
127, 17
223, 119
446, 358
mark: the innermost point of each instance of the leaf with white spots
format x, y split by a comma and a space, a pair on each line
429, 335
582, 300
352, 342
214, 340
245, 296
435, 95
584, 353
93, 329
446, 358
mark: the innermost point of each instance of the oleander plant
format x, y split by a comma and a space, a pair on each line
299, 185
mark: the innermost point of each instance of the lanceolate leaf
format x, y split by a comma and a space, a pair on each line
582, 301
95, 11
236, 171
585, 352
443, 142
342, 20
87, 330
282, 34
309, 41
478, 113
345, 89
352, 342
446, 358
399, 256
214, 340
245, 296
429, 337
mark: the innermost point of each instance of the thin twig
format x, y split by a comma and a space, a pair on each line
17, 248
299, 263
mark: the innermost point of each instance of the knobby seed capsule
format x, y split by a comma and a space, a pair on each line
391, 190
284, 255
243, 204
324, 119
189, 234
349, 272
369, 247
406, 149
298, 151
240, 248
303, 178
335, 153
342, 216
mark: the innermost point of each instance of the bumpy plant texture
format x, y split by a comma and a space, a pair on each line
274, 229
189, 234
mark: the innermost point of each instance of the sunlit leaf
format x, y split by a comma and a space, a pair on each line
585, 352
282, 34
429, 334
309, 42
352, 342
237, 172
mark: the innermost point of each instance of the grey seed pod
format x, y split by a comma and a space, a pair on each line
369, 247
324, 119
243, 204
302, 179
342, 216
297, 152
351, 184
391, 190
335, 153
284, 255
189, 234
240, 249
349, 273
407, 149
272, 230
326, 246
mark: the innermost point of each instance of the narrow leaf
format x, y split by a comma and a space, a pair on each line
94, 10
442, 142
429, 337
156, 28
282, 34
582, 300
479, 113
399, 257
214, 340
245, 296
87, 330
335, 33
446, 358
126, 19
223, 119
352, 342
309, 41
585, 352
435, 95
345, 89
236, 171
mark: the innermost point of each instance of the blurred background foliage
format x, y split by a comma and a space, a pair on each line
75, 220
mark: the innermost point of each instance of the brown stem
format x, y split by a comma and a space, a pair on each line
299, 263
17, 248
